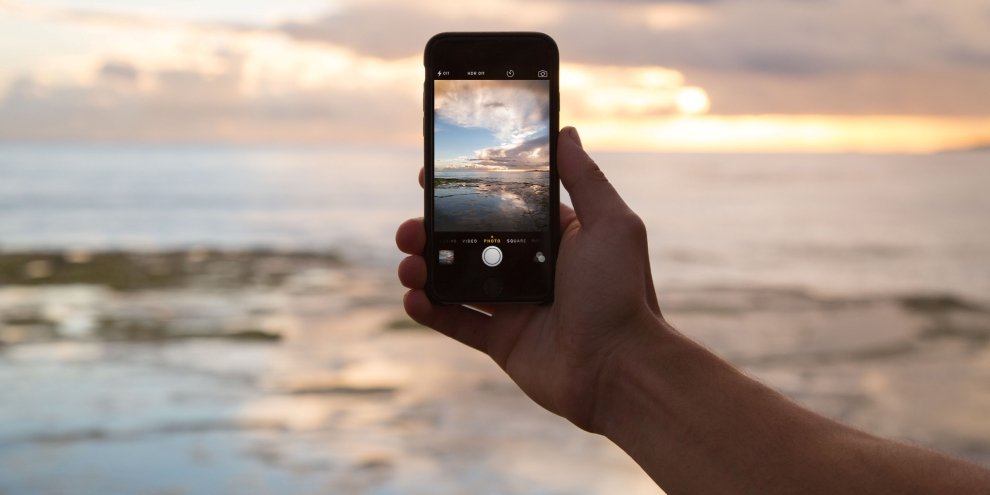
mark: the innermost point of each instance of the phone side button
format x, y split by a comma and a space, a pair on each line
492, 287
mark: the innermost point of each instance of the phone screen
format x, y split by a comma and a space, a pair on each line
492, 184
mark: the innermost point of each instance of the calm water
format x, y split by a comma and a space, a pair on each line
524, 177
486, 201
147, 197
831, 223
352, 400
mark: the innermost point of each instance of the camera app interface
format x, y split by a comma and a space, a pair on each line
492, 163
491, 181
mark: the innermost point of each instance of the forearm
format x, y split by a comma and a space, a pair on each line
697, 425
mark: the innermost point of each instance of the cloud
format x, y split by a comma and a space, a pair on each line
378, 30
779, 36
946, 92
121, 71
829, 55
513, 110
127, 103
353, 73
530, 154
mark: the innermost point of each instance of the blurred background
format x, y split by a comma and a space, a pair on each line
198, 202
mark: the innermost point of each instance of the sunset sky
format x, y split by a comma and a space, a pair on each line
702, 75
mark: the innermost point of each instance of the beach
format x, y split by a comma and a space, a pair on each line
245, 333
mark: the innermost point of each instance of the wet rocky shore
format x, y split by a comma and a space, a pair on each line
205, 371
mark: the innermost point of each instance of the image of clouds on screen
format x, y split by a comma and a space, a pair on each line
492, 125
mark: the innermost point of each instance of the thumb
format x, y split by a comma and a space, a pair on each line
595, 200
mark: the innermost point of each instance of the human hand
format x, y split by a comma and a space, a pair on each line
561, 355
603, 357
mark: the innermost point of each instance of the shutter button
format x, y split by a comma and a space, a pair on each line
492, 256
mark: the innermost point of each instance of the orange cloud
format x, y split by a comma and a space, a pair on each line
786, 133
732, 88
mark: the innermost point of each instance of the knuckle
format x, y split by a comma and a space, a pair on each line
632, 224
594, 173
587, 173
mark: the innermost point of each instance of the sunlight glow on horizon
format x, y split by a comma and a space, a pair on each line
787, 134
692, 100
245, 85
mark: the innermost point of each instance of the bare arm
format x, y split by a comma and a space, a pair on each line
603, 357
697, 425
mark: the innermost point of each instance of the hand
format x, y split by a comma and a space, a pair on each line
603, 357
561, 354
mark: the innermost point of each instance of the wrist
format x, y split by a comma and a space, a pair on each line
622, 384
680, 411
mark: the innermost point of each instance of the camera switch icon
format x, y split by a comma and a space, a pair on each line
541, 73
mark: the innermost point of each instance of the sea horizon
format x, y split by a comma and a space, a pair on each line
823, 221
236, 309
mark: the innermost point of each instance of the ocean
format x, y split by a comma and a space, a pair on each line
227, 320
832, 223
163, 197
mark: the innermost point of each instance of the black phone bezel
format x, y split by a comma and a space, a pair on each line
491, 49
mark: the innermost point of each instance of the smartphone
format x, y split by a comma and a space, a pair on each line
490, 105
